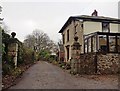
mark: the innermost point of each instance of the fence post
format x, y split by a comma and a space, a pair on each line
75, 56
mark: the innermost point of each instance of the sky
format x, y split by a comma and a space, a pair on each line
24, 16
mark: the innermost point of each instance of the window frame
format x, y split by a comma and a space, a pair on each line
68, 35
105, 27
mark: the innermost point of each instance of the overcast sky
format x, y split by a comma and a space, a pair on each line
24, 16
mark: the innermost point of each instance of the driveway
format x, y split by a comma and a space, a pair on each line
44, 75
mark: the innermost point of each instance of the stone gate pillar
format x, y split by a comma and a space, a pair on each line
75, 56
13, 50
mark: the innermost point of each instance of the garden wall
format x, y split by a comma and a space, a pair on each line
87, 64
99, 63
108, 63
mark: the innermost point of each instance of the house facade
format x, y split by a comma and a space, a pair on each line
94, 33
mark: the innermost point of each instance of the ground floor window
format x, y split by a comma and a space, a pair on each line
67, 53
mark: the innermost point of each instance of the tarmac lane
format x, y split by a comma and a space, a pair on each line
44, 75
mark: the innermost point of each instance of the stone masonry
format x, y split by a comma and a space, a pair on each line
98, 63
108, 63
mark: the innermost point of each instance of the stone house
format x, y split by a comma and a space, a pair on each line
61, 53
95, 33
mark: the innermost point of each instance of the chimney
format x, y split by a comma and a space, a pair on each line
95, 13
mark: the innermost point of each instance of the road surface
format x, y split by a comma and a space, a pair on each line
44, 75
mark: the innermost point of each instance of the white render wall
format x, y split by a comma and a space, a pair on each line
90, 27
114, 28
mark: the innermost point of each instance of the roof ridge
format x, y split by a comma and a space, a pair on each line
88, 16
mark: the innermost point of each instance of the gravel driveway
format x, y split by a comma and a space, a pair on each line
44, 75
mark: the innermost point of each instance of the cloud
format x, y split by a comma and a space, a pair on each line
24, 17
59, 0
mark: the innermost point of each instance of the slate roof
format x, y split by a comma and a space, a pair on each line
90, 18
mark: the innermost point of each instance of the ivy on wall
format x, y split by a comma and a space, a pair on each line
24, 54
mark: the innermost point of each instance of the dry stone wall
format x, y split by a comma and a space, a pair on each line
87, 64
99, 63
108, 63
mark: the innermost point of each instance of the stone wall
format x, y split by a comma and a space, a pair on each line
108, 63
13, 52
87, 64
99, 63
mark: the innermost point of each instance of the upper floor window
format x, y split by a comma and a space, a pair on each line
81, 25
105, 27
75, 28
68, 35
63, 38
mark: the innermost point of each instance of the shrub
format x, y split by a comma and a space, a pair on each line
68, 66
6, 68
44, 55
54, 62
62, 64
16, 72
28, 56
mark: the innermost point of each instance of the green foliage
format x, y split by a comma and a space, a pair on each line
28, 55
54, 62
3, 49
62, 64
52, 57
20, 53
25, 55
44, 55
5, 40
6, 68
5, 37
68, 66
16, 72
65, 65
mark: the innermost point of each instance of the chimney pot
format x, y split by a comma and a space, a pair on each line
95, 13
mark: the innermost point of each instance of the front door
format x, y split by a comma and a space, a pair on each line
67, 53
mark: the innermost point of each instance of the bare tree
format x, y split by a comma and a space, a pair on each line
5, 27
39, 39
60, 42
29, 41
60, 45
0, 13
0, 9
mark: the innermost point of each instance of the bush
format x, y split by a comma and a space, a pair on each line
62, 64
16, 72
63, 67
6, 68
7, 64
20, 54
54, 62
52, 57
28, 56
44, 55
68, 66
